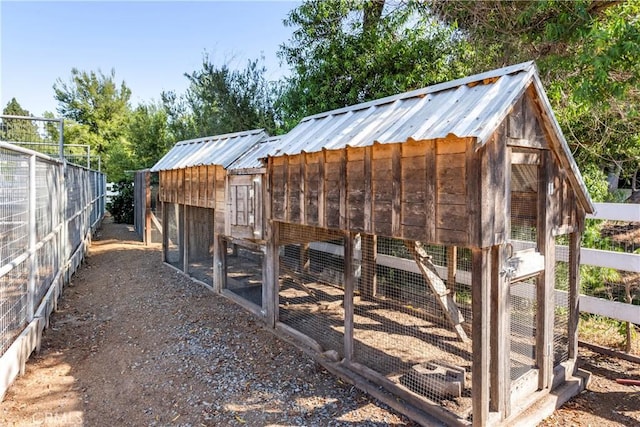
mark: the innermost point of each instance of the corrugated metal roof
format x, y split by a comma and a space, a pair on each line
211, 150
473, 106
468, 107
252, 158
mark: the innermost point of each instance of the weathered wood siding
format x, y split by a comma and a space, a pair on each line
417, 190
200, 186
200, 228
244, 206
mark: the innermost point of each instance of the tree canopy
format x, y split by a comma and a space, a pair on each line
343, 52
348, 51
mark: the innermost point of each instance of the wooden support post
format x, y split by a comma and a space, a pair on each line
369, 278
219, 263
368, 190
574, 293
349, 289
481, 279
147, 208
179, 210
165, 232
271, 274
546, 279
452, 262
305, 262
186, 210
438, 287
301, 190
344, 202
396, 202
322, 193
500, 335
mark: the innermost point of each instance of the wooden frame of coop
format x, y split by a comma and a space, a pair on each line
411, 242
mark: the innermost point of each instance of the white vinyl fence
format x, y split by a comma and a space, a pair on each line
48, 211
615, 308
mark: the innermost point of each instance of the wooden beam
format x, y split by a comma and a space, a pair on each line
396, 202
452, 262
438, 287
574, 293
368, 190
500, 335
322, 194
147, 208
369, 278
344, 202
219, 263
480, 339
349, 289
301, 188
430, 197
287, 189
271, 275
546, 279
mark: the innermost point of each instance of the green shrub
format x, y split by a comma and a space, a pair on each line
121, 205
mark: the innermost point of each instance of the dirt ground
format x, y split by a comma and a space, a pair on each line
135, 343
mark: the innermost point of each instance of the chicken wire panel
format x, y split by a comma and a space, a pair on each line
561, 314
47, 198
401, 331
523, 316
173, 248
200, 241
14, 203
524, 202
393, 253
244, 272
47, 265
13, 304
311, 293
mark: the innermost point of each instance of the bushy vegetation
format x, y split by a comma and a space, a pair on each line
121, 205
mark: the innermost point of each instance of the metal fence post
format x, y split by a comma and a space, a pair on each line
32, 230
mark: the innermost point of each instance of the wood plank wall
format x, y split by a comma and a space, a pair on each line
201, 186
418, 190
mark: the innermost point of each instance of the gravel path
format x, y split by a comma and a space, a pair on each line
136, 343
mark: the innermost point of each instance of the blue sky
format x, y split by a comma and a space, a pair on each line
149, 44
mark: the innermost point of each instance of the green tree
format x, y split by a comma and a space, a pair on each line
149, 134
180, 121
349, 51
223, 100
588, 54
97, 109
18, 130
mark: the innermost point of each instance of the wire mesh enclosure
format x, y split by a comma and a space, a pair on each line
523, 327
311, 293
244, 272
173, 231
200, 234
404, 326
47, 211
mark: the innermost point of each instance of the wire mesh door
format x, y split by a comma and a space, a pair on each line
173, 250
311, 294
244, 272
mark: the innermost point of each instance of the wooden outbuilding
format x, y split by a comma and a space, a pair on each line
410, 244
193, 179
476, 170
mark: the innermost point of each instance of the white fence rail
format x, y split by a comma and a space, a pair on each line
48, 211
595, 257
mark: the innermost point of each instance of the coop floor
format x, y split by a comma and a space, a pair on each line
389, 338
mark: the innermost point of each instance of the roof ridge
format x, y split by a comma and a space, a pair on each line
222, 136
438, 87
